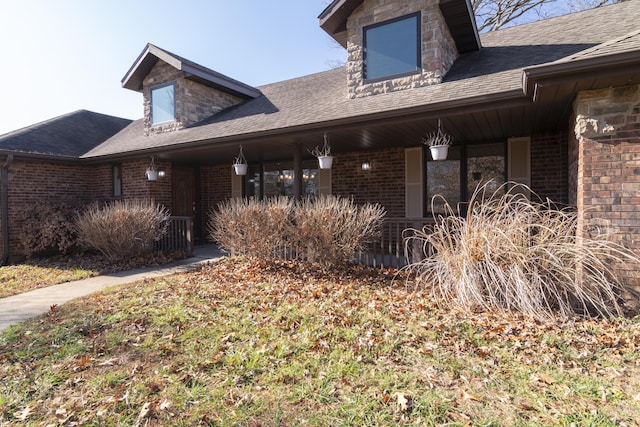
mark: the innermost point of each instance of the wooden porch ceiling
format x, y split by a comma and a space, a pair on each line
550, 110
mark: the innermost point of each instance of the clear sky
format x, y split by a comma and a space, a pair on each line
58, 56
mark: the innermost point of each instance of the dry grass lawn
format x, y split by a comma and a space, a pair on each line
243, 342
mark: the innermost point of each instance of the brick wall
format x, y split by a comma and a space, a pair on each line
383, 184
215, 187
193, 101
605, 161
32, 183
135, 184
438, 48
549, 173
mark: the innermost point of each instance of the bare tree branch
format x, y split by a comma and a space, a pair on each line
492, 15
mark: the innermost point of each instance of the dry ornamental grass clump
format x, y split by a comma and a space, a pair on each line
512, 254
323, 229
123, 228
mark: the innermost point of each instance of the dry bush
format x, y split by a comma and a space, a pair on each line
512, 254
48, 228
324, 229
331, 229
123, 228
250, 226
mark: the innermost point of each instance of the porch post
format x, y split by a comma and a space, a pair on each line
297, 170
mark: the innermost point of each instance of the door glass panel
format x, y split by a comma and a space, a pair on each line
485, 165
278, 179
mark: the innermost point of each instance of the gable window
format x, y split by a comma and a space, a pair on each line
392, 48
163, 106
117, 180
466, 167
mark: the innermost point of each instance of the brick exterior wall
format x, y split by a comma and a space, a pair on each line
193, 101
549, 173
135, 184
215, 187
383, 184
32, 183
605, 162
437, 46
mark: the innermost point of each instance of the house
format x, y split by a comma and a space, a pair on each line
554, 104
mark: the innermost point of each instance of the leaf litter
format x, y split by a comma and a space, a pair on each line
235, 339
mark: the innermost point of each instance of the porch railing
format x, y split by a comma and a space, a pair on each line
179, 236
395, 248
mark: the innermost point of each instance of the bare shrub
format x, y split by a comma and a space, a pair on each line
324, 229
331, 229
122, 228
250, 226
512, 254
48, 228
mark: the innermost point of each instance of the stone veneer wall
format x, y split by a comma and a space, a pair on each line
549, 174
194, 102
384, 183
605, 166
438, 47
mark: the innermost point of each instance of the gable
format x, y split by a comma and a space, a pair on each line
458, 15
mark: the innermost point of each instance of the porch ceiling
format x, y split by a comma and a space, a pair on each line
549, 110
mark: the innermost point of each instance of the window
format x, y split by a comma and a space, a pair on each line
466, 168
392, 48
163, 107
277, 179
117, 180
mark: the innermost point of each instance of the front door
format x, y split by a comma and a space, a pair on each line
183, 197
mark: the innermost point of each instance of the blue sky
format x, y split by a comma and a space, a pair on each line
59, 56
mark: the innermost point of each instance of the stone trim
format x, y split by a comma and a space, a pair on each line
607, 114
437, 46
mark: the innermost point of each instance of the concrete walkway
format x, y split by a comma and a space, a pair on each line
30, 304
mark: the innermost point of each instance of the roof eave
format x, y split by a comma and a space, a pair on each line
560, 72
503, 99
151, 54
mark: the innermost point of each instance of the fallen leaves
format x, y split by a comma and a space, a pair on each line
242, 335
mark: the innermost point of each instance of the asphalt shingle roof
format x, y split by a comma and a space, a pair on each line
70, 135
322, 97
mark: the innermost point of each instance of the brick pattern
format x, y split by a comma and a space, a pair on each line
32, 182
215, 187
383, 184
606, 158
549, 173
193, 102
438, 47
135, 184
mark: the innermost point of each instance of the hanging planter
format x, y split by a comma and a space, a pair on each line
325, 159
240, 164
438, 143
152, 171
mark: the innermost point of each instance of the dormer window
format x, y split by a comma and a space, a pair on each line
392, 48
163, 105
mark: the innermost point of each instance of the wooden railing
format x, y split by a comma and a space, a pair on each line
396, 248
179, 236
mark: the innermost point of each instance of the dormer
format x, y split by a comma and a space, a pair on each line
178, 93
399, 44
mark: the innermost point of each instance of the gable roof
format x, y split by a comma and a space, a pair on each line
458, 14
67, 136
502, 75
150, 56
